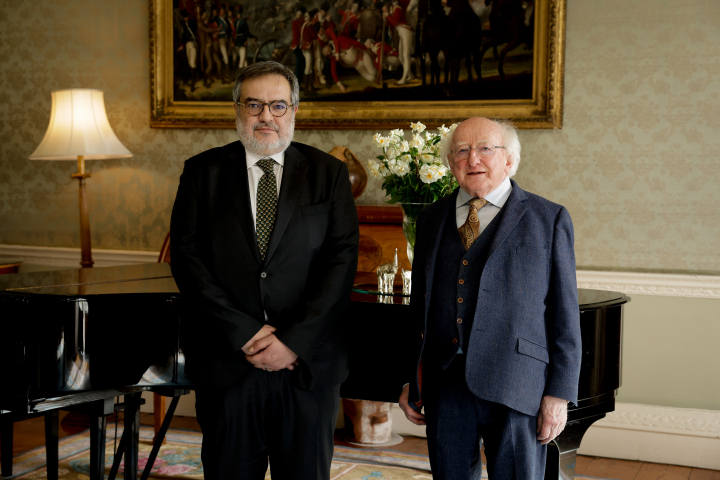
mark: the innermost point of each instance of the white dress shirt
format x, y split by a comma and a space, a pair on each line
496, 199
255, 172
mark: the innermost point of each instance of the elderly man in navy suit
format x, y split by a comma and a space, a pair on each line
498, 326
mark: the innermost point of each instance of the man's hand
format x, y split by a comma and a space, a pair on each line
341, 87
269, 353
551, 419
264, 332
414, 416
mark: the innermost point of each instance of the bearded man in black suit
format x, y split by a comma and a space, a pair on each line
264, 251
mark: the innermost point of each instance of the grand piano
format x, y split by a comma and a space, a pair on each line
80, 338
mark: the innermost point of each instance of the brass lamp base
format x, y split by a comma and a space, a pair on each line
85, 249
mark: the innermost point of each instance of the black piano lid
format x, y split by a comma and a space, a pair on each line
598, 299
141, 278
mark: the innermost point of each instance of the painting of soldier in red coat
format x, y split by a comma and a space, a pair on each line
350, 50
363, 63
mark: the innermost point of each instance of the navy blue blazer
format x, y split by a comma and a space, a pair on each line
527, 342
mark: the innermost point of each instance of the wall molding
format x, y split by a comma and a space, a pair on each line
648, 433
660, 284
666, 285
58, 257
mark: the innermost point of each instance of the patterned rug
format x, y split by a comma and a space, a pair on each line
180, 458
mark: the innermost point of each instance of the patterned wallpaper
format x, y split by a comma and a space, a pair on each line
636, 162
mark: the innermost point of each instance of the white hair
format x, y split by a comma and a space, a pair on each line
510, 138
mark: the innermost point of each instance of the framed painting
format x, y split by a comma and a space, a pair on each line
362, 64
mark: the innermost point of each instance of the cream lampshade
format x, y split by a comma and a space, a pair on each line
79, 130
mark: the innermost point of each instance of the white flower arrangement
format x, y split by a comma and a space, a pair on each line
412, 170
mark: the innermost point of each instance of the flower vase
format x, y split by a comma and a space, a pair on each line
410, 214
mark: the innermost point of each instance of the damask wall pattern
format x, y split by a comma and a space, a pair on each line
636, 162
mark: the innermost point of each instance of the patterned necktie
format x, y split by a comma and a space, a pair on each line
266, 205
470, 230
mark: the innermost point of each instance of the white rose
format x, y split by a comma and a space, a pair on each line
400, 168
427, 175
418, 127
374, 168
442, 171
417, 141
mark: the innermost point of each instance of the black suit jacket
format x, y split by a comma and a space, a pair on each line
303, 284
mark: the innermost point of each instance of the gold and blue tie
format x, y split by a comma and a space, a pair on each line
266, 205
470, 230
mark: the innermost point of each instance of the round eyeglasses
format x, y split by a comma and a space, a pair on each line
277, 108
482, 150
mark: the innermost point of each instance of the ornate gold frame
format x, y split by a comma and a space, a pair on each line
544, 110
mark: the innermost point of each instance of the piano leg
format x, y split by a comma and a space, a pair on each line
98, 425
562, 452
6, 447
160, 437
52, 426
132, 426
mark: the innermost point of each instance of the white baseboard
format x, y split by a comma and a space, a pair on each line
648, 433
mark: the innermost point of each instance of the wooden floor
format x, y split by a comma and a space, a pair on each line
30, 434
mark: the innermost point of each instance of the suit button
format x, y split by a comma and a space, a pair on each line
461, 281
422, 335
459, 320
454, 340
263, 275
460, 300
465, 262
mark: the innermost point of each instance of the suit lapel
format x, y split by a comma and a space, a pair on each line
240, 193
293, 177
515, 208
443, 216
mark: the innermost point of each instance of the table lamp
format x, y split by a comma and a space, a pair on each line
79, 130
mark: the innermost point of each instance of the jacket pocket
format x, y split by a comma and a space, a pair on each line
534, 251
526, 347
316, 209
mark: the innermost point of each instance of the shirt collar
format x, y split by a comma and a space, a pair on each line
497, 197
252, 158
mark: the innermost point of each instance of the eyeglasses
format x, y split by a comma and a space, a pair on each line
482, 150
277, 108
